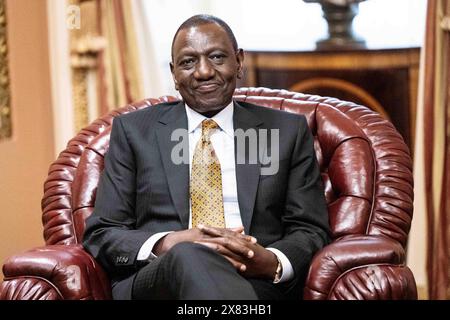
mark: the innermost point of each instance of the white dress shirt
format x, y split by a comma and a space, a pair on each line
222, 141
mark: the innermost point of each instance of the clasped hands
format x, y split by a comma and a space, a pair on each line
242, 251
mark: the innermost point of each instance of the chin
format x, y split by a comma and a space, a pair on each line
211, 105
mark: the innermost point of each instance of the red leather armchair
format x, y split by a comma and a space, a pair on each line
366, 169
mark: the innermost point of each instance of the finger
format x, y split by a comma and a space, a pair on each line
237, 247
238, 229
249, 238
221, 249
220, 232
242, 236
227, 254
217, 232
239, 266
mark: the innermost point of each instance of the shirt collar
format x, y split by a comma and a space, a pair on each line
224, 119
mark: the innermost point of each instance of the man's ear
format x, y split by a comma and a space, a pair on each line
173, 75
240, 63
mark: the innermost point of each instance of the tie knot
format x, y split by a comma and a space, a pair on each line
207, 126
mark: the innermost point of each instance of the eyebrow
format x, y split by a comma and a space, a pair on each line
192, 52
204, 51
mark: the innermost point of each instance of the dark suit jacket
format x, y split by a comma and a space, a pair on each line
142, 192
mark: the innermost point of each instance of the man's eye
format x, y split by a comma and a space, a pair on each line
217, 57
186, 62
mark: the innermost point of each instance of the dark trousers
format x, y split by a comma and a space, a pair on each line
192, 271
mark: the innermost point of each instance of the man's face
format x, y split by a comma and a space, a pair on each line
205, 67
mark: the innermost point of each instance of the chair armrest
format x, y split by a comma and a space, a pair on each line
70, 270
372, 267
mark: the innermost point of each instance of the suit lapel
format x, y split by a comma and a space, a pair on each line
177, 174
247, 174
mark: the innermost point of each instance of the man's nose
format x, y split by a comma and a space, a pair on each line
204, 70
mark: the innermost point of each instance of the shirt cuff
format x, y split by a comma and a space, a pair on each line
145, 252
288, 272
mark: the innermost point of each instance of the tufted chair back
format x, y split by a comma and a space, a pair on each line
365, 165
366, 170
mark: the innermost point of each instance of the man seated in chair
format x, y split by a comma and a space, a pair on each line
219, 225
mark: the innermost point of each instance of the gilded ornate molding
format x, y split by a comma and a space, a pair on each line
83, 59
85, 46
5, 95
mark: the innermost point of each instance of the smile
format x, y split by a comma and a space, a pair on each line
207, 88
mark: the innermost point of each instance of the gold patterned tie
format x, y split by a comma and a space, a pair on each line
206, 182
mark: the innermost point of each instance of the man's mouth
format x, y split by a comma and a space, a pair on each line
207, 87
